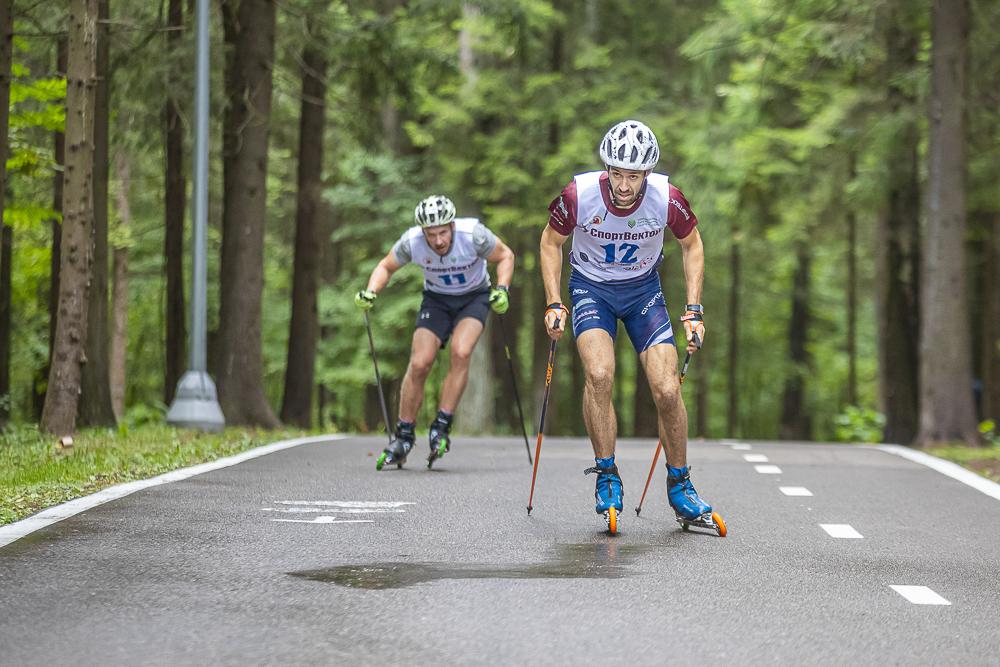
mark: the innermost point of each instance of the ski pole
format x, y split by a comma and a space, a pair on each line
513, 378
659, 445
541, 422
378, 379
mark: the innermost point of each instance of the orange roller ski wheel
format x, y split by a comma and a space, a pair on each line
612, 520
720, 525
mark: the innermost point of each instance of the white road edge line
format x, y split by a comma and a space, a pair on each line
919, 595
948, 468
15, 531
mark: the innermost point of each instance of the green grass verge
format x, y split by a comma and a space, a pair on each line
982, 460
35, 474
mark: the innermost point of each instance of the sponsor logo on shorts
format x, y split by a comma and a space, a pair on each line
580, 291
585, 313
652, 302
425, 315
584, 302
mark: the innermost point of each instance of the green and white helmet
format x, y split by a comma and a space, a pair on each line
630, 145
434, 211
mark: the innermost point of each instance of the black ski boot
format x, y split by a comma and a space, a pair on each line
440, 436
400, 447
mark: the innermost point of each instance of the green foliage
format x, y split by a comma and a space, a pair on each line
859, 425
989, 430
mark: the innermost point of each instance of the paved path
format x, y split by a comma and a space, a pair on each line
307, 556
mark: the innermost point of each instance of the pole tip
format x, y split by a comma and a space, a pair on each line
529, 510
637, 510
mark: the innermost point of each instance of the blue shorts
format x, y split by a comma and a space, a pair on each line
639, 305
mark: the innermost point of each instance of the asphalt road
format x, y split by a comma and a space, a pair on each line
308, 556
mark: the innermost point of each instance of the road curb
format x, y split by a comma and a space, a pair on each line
948, 468
15, 531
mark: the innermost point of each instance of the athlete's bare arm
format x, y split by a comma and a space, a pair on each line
551, 255
383, 272
503, 257
693, 253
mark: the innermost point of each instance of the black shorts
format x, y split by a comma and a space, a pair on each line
441, 312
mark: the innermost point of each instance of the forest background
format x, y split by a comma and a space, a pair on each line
806, 134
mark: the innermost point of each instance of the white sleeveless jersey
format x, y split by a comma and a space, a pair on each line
609, 248
458, 272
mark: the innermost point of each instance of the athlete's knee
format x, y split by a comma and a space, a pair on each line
601, 377
420, 367
461, 354
666, 393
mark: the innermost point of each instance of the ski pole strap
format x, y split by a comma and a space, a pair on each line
557, 308
691, 318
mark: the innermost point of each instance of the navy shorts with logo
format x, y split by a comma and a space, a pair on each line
638, 303
441, 312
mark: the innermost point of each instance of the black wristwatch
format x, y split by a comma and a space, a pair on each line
695, 308
504, 288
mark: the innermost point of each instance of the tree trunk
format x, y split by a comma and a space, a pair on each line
795, 422
852, 309
6, 241
947, 408
59, 413
296, 406
59, 156
733, 412
119, 291
247, 127
95, 398
6, 63
898, 252
174, 206
990, 342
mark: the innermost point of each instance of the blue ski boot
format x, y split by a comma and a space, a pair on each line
609, 492
689, 508
440, 436
400, 447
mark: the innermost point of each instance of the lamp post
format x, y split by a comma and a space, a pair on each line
196, 404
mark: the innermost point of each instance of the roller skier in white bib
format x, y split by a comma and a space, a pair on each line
617, 219
453, 253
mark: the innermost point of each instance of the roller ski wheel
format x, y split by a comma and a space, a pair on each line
440, 436
611, 516
708, 521
439, 452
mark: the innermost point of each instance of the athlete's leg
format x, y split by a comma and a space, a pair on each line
660, 364
597, 351
463, 342
425, 347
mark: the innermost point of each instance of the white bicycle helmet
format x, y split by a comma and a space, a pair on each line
434, 211
630, 145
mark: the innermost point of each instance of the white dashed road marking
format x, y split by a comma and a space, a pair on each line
919, 595
338, 506
841, 531
755, 458
795, 490
742, 447
326, 519
768, 470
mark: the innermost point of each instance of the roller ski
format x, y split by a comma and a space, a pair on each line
400, 447
609, 492
440, 436
688, 507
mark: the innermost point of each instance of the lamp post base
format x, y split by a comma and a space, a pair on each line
196, 404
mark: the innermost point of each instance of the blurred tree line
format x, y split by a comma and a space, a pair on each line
841, 158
